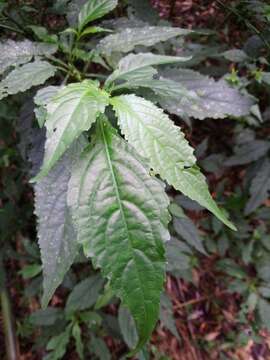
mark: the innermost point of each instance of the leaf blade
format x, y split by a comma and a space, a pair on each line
205, 97
14, 53
71, 112
156, 138
127, 39
95, 9
126, 239
56, 233
133, 63
26, 76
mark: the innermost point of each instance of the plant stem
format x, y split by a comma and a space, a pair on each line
12, 348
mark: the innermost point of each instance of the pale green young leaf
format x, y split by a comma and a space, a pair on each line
121, 215
56, 234
156, 138
127, 39
93, 30
133, 63
153, 134
24, 77
93, 10
73, 110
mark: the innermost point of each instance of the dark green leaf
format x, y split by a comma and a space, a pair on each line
121, 216
56, 234
85, 294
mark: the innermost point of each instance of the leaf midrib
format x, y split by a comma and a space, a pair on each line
115, 185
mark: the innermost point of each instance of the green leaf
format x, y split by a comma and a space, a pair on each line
99, 348
264, 312
41, 99
235, 55
58, 345
93, 30
167, 316
95, 9
46, 317
260, 186
152, 134
144, 10
248, 152
126, 40
121, 215
127, 327
84, 294
14, 53
188, 231
42, 34
163, 88
231, 268
30, 271
56, 234
104, 298
71, 112
77, 335
156, 138
205, 97
131, 65
26, 76
178, 256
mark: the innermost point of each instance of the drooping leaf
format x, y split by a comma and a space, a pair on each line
71, 112
248, 152
13, 53
84, 294
264, 312
205, 97
56, 234
260, 186
178, 256
26, 76
156, 138
120, 212
127, 39
127, 327
99, 348
131, 65
95, 9
46, 317
188, 231
58, 345
166, 315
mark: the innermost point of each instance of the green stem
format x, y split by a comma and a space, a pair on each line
12, 348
